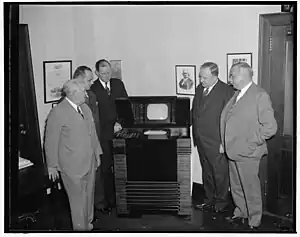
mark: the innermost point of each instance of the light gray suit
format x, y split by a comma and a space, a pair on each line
72, 145
244, 127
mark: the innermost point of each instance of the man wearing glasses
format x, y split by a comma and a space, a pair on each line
106, 89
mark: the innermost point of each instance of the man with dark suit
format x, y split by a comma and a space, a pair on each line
85, 74
210, 98
73, 149
246, 122
106, 89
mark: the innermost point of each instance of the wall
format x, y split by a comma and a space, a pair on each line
150, 41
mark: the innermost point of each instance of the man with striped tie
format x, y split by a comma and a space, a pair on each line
106, 89
211, 96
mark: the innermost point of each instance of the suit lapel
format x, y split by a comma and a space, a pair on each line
87, 119
102, 89
241, 103
209, 98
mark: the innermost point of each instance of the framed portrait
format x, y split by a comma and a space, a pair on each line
56, 73
185, 79
116, 66
233, 58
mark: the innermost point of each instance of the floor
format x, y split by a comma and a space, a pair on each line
56, 217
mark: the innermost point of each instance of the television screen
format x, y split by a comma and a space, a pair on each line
157, 111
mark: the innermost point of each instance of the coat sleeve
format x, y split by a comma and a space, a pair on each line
98, 149
123, 90
53, 129
268, 124
196, 97
229, 93
95, 111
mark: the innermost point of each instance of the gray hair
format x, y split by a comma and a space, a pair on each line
213, 67
243, 65
72, 86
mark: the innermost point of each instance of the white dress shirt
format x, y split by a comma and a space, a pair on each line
74, 105
243, 91
104, 85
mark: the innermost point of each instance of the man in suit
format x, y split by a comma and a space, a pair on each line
210, 98
73, 149
246, 122
106, 89
85, 74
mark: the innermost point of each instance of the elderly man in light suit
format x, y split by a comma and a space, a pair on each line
247, 121
73, 149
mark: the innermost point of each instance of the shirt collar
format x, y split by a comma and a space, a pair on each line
243, 91
104, 85
73, 104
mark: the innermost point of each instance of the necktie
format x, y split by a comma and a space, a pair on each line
205, 92
236, 96
79, 111
107, 89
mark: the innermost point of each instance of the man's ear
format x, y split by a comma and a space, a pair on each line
97, 73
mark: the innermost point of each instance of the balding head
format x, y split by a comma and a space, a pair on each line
75, 91
208, 74
240, 75
84, 74
244, 68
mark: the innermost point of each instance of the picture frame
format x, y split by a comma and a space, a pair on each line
54, 104
185, 79
56, 73
116, 66
233, 58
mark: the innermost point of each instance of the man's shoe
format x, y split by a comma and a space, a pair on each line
90, 226
221, 209
104, 210
205, 206
254, 228
235, 220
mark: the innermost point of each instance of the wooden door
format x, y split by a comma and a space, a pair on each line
275, 75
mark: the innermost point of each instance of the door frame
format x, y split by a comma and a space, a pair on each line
269, 174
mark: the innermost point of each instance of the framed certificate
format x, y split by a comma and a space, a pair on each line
233, 58
56, 73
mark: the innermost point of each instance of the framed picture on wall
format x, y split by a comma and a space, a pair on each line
116, 66
233, 58
54, 104
56, 73
185, 79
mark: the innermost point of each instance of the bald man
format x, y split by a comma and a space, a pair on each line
73, 149
247, 121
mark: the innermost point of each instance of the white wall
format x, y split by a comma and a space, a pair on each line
150, 41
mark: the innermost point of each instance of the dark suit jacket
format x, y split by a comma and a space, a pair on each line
71, 141
93, 104
206, 112
246, 125
106, 105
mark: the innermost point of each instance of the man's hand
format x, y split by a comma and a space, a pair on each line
117, 127
221, 150
53, 173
